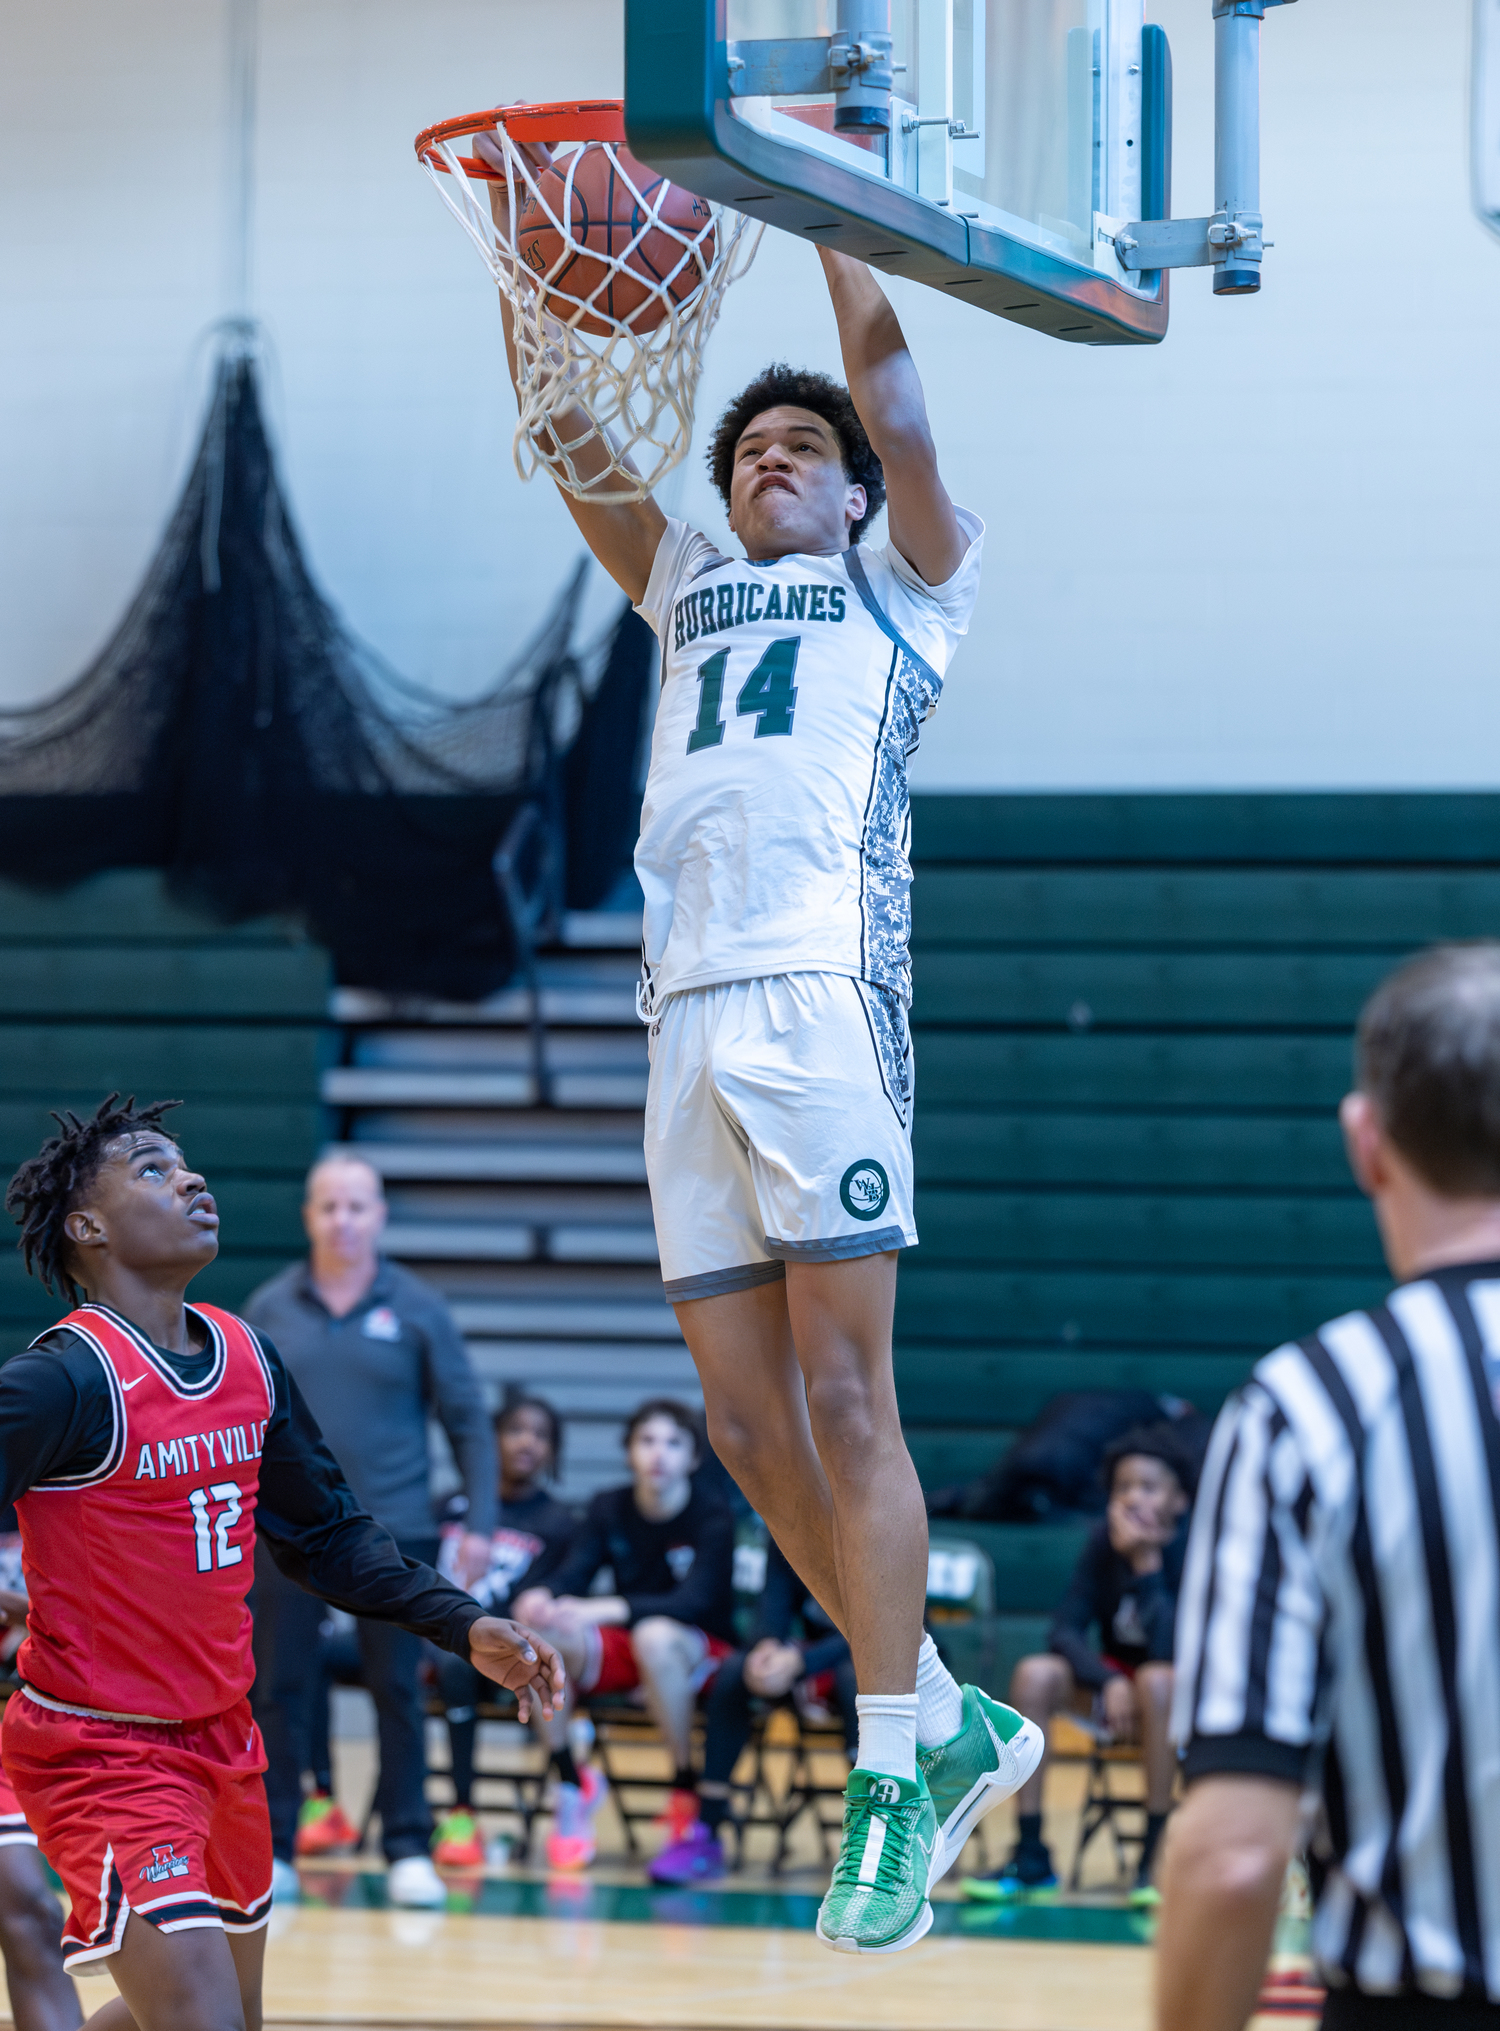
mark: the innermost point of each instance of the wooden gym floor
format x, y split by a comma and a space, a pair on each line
521, 1950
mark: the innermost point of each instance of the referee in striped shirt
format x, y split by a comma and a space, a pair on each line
1338, 1631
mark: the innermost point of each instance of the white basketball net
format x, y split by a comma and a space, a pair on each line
630, 393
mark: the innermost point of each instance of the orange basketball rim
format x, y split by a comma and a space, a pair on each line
608, 339
547, 121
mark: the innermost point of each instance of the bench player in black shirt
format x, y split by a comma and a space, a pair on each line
532, 1537
1125, 1586
669, 1541
794, 1644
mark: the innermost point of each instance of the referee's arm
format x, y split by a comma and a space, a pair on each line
1249, 1663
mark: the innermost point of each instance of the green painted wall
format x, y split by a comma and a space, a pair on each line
1133, 1021
110, 985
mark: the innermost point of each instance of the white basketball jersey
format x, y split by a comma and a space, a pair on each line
776, 822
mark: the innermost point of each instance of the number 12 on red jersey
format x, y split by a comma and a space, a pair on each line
211, 1534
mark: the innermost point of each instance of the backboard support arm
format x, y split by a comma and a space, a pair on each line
1231, 241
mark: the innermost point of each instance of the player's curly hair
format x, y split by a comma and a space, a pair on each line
784, 387
48, 1186
1153, 1442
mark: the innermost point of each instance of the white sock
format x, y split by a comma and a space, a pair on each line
888, 1734
940, 1699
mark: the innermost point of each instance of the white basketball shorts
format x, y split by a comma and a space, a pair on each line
778, 1129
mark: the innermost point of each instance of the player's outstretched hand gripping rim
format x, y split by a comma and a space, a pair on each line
520, 1660
537, 153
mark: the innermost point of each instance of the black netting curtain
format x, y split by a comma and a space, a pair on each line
235, 734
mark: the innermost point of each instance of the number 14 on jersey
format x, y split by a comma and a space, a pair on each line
768, 692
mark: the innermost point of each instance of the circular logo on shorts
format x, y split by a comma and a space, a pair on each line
865, 1189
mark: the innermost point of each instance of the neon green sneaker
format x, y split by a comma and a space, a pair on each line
990, 1757
877, 1901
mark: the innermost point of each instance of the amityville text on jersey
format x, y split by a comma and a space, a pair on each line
233, 1444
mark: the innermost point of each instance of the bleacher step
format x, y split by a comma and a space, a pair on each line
526, 1207
499, 1050
541, 1162
583, 990
602, 930
366, 1086
593, 1378
563, 1319
519, 1241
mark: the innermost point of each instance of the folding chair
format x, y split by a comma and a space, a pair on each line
785, 1783
524, 1786
622, 1730
1120, 1814
960, 1582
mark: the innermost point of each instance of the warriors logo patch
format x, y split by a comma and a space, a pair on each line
164, 1863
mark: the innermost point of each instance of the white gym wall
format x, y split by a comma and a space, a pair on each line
1260, 555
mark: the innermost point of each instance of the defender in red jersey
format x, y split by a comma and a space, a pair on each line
144, 1442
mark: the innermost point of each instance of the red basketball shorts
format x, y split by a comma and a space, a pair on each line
169, 1822
612, 1667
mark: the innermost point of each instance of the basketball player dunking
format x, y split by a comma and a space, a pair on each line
144, 1441
773, 857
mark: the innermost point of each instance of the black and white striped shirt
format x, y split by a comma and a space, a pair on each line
1339, 1623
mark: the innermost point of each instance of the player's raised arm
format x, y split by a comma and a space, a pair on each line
887, 392
623, 535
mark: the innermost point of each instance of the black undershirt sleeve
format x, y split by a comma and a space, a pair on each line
56, 1417
321, 1538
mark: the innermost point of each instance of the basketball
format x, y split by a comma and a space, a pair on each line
604, 217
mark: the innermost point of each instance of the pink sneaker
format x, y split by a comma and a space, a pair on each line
571, 1844
696, 1858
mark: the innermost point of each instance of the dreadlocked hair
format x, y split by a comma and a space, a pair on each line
784, 387
48, 1186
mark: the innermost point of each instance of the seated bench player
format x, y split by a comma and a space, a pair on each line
667, 1623
531, 1540
1125, 1586
144, 1441
794, 1647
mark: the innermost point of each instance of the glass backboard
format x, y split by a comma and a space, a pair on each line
983, 147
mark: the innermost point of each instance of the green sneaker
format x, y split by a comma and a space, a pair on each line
990, 1757
877, 1901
